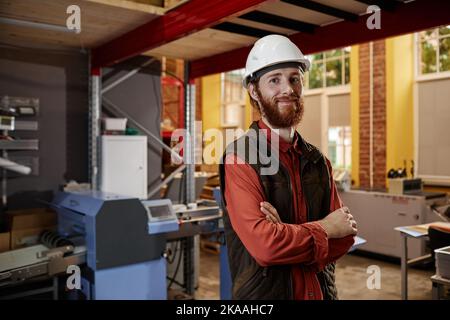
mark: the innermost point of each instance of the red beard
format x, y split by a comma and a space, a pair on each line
282, 117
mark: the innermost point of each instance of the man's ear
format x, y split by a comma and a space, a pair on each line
252, 91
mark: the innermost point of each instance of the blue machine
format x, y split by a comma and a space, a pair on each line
125, 242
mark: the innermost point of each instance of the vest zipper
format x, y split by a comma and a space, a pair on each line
291, 285
295, 181
303, 190
264, 273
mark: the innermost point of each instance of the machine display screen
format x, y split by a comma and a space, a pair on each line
159, 211
5, 121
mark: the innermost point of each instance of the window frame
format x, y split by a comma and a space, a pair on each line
225, 104
418, 57
431, 180
345, 147
323, 60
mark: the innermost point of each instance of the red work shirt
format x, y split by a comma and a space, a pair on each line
304, 245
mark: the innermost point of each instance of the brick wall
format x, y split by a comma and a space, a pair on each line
379, 115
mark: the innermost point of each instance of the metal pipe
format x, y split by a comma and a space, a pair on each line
14, 166
189, 145
371, 113
404, 267
4, 179
115, 109
166, 180
126, 76
181, 108
36, 25
189, 148
94, 129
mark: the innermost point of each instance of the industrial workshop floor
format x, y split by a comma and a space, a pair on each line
351, 279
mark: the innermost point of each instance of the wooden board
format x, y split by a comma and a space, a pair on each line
202, 44
297, 13
262, 26
132, 5
100, 22
348, 5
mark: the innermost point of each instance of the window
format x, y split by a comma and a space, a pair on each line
340, 147
328, 69
233, 99
434, 50
433, 138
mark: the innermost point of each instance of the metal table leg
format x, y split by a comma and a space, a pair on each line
435, 291
189, 276
404, 267
55, 288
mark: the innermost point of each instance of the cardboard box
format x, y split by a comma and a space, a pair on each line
31, 218
27, 225
4, 241
401, 186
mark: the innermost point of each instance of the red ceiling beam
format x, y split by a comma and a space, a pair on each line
191, 17
406, 18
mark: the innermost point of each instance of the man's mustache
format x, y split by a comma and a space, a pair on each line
292, 97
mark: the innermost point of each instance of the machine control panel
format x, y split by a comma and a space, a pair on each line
161, 216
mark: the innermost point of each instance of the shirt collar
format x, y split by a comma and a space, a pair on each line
284, 145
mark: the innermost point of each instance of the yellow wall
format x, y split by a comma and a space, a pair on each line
354, 84
248, 112
211, 99
399, 101
211, 91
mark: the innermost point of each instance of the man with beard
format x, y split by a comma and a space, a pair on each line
284, 229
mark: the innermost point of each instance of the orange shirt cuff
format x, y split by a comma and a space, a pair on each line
320, 243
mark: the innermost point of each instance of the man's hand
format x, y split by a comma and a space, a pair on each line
270, 212
339, 223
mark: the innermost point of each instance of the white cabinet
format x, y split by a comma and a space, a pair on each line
124, 165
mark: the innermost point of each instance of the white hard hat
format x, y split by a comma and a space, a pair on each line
272, 50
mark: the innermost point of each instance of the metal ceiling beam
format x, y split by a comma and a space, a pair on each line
408, 17
241, 29
318, 7
188, 18
279, 21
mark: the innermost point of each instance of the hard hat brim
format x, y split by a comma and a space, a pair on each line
302, 64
